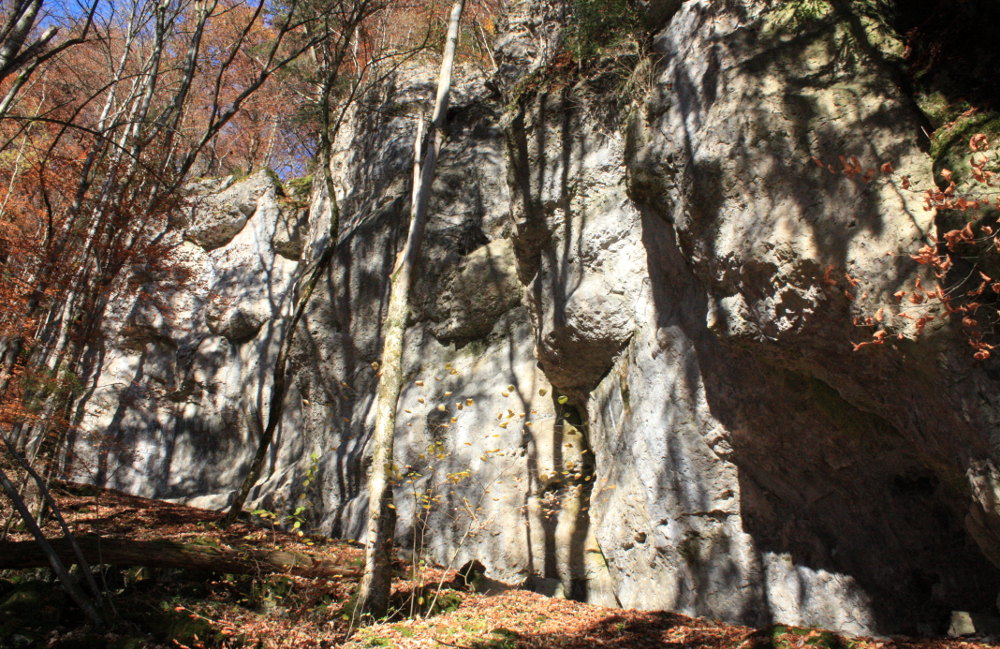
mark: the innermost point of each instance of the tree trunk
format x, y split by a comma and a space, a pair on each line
50, 502
279, 379
43, 549
373, 597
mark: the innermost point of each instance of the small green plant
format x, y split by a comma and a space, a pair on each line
790, 17
44, 384
425, 494
507, 639
298, 189
602, 25
297, 518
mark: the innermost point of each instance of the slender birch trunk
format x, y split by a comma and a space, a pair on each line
373, 596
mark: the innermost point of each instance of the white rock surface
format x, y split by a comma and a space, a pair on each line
630, 378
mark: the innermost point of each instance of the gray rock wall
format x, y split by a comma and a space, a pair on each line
182, 368
631, 377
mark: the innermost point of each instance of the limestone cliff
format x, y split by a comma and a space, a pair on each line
631, 371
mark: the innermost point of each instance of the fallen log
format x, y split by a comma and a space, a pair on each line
176, 554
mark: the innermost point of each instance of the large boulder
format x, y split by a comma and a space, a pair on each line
216, 217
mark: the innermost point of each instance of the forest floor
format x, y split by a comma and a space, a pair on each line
180, 608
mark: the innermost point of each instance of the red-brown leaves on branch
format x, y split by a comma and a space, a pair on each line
939, 256
966, 244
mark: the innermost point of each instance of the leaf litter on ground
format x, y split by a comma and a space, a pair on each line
184, 610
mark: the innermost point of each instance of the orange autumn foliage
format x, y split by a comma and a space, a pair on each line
957, 257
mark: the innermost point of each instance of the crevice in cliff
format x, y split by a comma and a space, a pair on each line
563, 491
569, 566
531, 234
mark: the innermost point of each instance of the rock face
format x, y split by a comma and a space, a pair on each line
630, 361
187, 364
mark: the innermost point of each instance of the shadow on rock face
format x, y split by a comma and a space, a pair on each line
844, 511
850, 469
